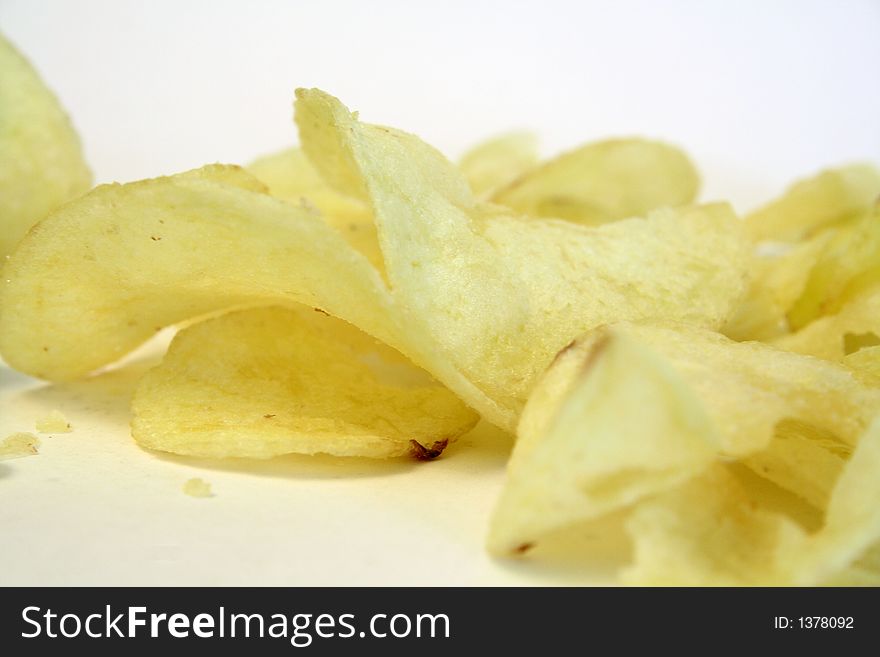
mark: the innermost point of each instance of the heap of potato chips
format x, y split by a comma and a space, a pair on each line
711, 383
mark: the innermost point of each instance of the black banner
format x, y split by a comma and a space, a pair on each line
431, 621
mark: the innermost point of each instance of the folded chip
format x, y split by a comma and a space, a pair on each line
104, 273
810, 205
499, 161
492, 295
41, 160
854, 326
717, 530
480, 297
605, 181
631, 410
290, 176
262, 382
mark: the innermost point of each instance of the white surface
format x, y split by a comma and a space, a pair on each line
758, 92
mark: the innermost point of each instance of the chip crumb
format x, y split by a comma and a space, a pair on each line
19, 444
54, 422
197, 488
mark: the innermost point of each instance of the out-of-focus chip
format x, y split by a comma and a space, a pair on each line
290, 176
777, 280
104, 273
588, 436
499, 161
598, 434
41, 161
710, 532
18, 445
196, 487
605, 181
828, 198
855, 326
54, 422
262, 382
866, 363
493, 295
848, 265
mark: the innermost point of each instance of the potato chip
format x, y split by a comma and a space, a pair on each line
18, 445
710, 532
290, 176
598, 434
848, 543
604, 428
262, 382
496, 295
777, 280
41, 160
499, 161
848, 265
715, 530
814, 203
832, 337
605, 181
865, 363
105, 272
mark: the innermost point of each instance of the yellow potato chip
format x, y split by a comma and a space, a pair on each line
605, 181
846, 547
832, 337
41, 160
848, 265
825, 199
718, 530
710, 532
777, 280
499, 161
290, 176
598, 434
262, 382
630, 410
104, 273
496, 295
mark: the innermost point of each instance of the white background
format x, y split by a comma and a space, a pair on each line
759, 92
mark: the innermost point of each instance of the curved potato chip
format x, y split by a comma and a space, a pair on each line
777, 281
495, 295
717, 531
291, 177
832, 337
598, 434
631, 409
825, 199
852, 521
710, 532
102, 274
41, 160
848, 265
262, 382
499, 161
605, 181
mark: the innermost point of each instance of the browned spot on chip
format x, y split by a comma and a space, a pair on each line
155, 238
269, 416
522, 548
564, 350
323, 312
422, 453
600, 346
